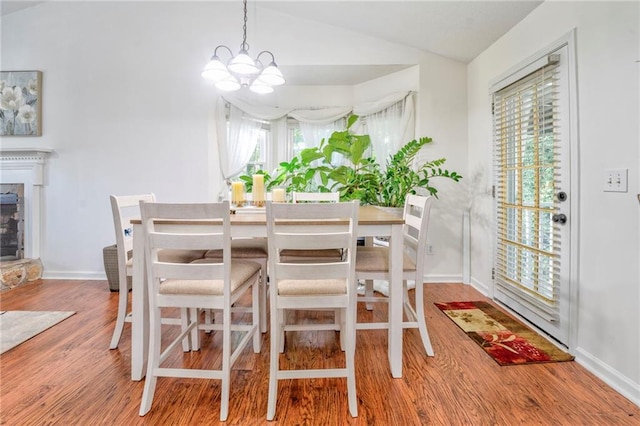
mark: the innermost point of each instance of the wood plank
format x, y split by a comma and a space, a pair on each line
67, 375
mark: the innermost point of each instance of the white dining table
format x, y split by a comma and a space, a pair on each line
372, 222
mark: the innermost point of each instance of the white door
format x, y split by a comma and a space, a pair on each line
532, 261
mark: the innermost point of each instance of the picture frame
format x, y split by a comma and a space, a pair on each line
20, 103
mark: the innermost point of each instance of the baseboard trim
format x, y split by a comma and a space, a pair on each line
612, 377
74, 275
442, 279
481, 287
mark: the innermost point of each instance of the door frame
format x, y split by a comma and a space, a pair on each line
568, 40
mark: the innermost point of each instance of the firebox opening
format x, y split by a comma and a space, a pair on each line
11, 221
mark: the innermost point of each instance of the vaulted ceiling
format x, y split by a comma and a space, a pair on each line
459, 30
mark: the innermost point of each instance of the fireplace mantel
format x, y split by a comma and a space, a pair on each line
26, 166
21, 154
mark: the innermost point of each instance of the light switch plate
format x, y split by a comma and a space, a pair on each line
615, 180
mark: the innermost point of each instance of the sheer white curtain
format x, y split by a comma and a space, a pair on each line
384, 129
314, 133
390, 124
237, 141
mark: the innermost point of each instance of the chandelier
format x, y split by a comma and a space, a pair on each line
241, 70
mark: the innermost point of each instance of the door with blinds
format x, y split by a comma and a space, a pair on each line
531, 270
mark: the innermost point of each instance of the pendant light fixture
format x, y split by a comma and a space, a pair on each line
241, 70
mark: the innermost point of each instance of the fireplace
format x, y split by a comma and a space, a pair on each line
21, 187
11, 221
26, 167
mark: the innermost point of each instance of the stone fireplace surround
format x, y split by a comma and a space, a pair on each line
25, 166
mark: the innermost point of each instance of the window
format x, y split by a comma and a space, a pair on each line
295, 139
258, 160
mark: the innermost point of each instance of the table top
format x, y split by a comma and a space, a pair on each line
367, 215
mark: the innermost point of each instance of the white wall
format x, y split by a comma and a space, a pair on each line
441, 102
125, 109
607, 332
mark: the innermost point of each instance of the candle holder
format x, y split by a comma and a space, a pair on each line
258, 203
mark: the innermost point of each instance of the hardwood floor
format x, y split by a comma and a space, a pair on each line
68, 376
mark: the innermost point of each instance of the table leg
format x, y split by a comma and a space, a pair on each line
395, 301
140, 309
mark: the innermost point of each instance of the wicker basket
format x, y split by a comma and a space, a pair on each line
110, 256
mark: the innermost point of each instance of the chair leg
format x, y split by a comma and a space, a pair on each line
340, 322
184, 323
349, 328
153, 362
281, 316
193, 316
422, 325
256, 309
123, 302
263, 297
226, 364
368, 292
274, 367
208, 319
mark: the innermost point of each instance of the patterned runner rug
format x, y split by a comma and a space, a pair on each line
508, 341
19, 326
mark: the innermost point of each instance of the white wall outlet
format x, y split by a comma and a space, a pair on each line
429, 249
615, 180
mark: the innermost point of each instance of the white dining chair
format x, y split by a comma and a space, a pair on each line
372, 263
124, 208
312, 255
202, 284
255, 250
312, 286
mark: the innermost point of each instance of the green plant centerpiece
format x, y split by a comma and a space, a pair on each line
339, 164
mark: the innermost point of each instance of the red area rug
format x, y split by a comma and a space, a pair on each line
508, 341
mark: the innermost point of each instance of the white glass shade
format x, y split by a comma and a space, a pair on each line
230, 84
215, 70
243, 64
272, 76
260, 87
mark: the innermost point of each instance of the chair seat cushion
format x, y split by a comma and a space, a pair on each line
324, 253
175, 256
180, 256
238, 253
243, 248
376, 259
241, 271
311, 287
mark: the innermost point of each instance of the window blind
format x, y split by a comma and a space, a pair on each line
527, 256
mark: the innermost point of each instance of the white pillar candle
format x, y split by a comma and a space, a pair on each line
258, 188
278, 195
237, 192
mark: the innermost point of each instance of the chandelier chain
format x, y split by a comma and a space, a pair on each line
245, 45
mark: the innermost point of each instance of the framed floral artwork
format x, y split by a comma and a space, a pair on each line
20, 103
